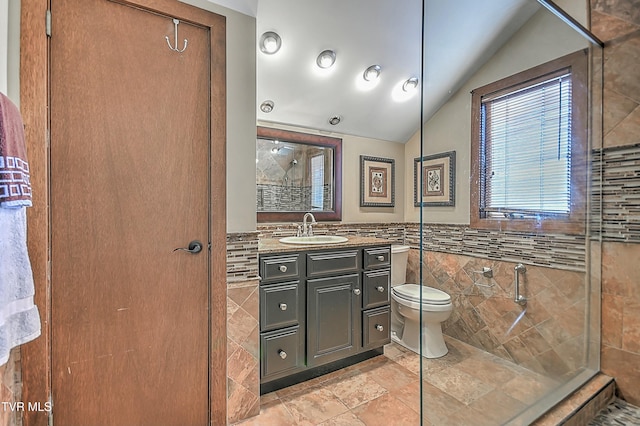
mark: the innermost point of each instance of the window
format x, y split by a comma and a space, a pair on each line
528, 149
317, 182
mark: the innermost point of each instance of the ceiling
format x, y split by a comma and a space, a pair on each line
459, 36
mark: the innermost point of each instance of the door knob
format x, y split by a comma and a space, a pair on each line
193, 247
356, 292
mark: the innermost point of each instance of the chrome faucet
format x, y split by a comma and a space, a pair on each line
307, 229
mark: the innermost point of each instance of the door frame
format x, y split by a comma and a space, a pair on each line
34, 105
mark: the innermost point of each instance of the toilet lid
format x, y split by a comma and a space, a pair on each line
431, 296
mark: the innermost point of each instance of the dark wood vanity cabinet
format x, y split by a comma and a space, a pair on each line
319, 307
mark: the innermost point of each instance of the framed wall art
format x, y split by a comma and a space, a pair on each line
434, 180
377, 182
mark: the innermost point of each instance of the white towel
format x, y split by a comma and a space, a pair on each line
19, 317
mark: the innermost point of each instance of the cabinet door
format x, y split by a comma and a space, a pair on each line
333, 318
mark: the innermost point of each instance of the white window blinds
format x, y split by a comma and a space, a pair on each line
317, 182
526, 150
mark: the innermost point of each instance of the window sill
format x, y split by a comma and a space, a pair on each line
538, 226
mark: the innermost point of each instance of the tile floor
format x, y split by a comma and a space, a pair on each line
618, 413
465, 387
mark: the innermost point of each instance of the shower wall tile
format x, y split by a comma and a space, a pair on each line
625, 368
609, 28
619, 195
626, 10
620, 356
612, 315
546, 336
631, 326
620, 270
618, 23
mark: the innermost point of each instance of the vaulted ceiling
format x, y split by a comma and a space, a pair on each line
459, 36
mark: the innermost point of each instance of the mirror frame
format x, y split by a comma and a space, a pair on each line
307, 139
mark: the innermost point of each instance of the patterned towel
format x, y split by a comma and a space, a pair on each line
19, 316
15, 186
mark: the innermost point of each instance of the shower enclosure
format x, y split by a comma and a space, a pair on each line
497, 198
519, 250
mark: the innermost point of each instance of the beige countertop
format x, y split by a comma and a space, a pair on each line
272, 245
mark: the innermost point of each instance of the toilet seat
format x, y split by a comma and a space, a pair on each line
430, 296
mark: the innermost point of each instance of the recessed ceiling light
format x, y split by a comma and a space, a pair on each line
372, 73
270, 43
410, 85
336, 119
326, 58
266, 106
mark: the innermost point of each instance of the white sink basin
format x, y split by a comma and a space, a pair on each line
315, 239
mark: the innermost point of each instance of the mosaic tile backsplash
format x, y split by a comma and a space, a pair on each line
620, 195
552, 250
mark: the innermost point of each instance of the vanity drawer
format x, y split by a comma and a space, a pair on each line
375, 291
279, 305
278, 268
377, 257
376, 325
331, 262
280, 352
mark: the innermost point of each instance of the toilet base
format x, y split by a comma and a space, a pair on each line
433, 345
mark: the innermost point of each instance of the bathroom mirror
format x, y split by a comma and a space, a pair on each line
297, 173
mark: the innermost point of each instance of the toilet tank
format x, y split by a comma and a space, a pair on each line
399, 257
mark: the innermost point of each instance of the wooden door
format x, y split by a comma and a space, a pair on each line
130, 151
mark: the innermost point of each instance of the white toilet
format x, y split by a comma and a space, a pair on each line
405, 310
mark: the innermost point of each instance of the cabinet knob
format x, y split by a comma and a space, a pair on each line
356, 292
283, 306
380, 289
282, 354
381, 258
282, 268
379, 327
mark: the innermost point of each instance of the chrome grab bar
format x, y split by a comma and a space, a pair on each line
518, 298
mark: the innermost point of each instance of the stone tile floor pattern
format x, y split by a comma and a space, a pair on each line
617, 413
466, 387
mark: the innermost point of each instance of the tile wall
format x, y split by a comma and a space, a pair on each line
548, 339
545, 336
243, 368
617, 23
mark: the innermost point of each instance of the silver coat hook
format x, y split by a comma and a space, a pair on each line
175, 37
